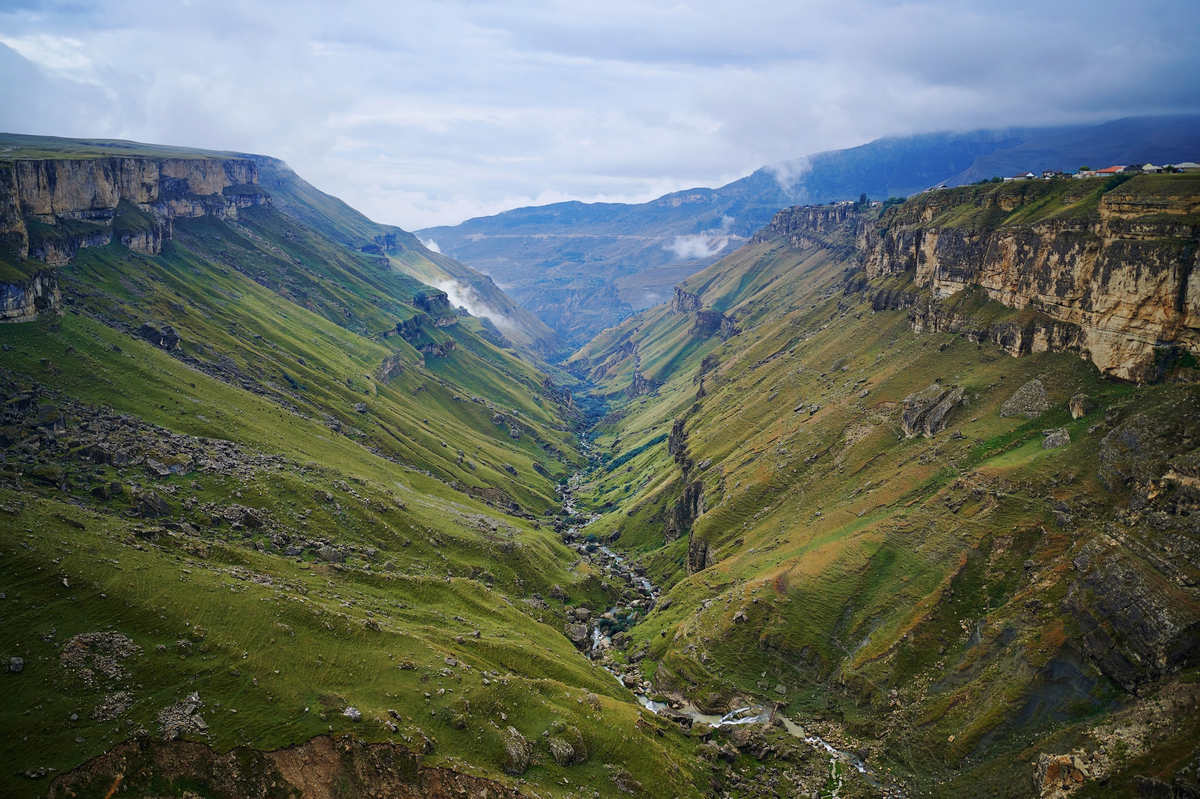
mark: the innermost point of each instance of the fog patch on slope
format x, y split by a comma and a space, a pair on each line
430, 244
463, 295
702, 245
790, 176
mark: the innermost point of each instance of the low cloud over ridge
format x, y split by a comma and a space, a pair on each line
427, 113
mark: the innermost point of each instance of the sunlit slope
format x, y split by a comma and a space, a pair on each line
935, 598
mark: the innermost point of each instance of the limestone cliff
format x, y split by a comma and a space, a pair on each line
52, 207
1109, 274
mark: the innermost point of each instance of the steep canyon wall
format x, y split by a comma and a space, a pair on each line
50, 208
1109, 274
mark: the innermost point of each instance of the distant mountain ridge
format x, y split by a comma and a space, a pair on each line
582, 267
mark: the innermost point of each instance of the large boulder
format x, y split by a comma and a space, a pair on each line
516, 752
926, 412
566, 745
1030, 401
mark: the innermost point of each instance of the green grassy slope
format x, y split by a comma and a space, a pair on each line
339, 222
906, 595
298, 531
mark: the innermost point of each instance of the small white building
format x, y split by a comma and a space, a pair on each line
1021, 176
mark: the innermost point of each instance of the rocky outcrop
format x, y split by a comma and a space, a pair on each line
40, 198
164, 337
709, 323
516, 752
1030, 401
640, 385
925, 412
1117, 286
685, 302
320, 768
391, 367
831, 227
22, 301
437, 305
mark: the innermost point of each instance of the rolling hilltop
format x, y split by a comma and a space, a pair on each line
909, 491
582, 267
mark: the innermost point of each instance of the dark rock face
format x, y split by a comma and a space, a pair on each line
23, 301
709, 323
164, 337
685, 302
681, 515
320, 767
925, 412
699, 555
1132, 630
641, 386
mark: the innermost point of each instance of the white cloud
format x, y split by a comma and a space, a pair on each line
431, 244
427, 112
699, 245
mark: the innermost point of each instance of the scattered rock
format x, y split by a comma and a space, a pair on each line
352, 713
1056, 776
112, 706
625, 781
98, 656
16, 665
182, 718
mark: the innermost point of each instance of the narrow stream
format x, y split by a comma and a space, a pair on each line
612, 564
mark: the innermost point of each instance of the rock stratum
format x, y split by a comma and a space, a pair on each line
1109, 273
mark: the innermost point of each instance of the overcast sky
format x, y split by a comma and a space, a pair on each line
424, 113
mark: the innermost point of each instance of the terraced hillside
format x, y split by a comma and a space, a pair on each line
881, 488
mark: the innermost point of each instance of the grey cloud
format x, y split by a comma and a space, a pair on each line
426, 113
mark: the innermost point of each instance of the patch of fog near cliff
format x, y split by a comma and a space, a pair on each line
701, 245
790, 175
463, 295
430, 244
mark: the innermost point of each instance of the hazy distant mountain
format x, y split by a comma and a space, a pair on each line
581, 267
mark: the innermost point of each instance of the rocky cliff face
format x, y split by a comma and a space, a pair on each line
22, 301
53, 189
51, 208
1116, 282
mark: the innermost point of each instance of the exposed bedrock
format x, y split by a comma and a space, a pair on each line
1117, 286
